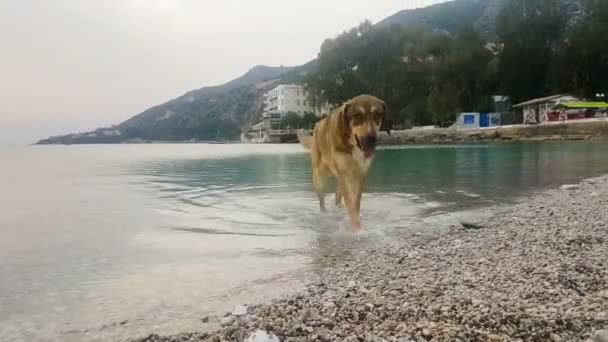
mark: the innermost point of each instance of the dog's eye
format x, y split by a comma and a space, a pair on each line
358, 118
377, 115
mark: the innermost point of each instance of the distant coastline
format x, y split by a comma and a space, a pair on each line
591, 129
144, 142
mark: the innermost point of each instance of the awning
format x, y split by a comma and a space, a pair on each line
582, 105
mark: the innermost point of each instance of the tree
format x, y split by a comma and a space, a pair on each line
462, 76
294, 121
424, 76
308, 120
429, 76
530, 32
582, 65
290, 120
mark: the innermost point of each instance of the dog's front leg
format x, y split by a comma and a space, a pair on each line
359, 194
351, 190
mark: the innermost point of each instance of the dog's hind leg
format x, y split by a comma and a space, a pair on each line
318, 181
322, 201
338, 194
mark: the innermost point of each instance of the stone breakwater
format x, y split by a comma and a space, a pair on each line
535, 271
595, 129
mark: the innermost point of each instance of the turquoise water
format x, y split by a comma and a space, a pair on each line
156, 236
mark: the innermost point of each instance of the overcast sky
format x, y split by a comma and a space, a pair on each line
75, 65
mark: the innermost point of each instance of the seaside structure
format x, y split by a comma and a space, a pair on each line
501, 103
283, 99
537, 110
286, 98
477, 120
576, 110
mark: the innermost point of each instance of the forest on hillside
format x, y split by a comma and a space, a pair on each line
428, 76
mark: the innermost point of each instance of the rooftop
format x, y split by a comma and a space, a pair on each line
540, 100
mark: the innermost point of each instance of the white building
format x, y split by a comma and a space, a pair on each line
288, 98
111, 133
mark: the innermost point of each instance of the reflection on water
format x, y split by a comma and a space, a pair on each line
108, 242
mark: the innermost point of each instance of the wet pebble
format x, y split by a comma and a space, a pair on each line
239, 310
262, 336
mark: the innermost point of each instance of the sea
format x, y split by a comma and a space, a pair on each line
110, 242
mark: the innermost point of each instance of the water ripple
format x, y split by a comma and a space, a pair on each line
221, 232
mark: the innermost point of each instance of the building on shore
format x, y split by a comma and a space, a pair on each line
576, 110
477, 120
501, 103
287, 98
538, 110
278, 102
292, 98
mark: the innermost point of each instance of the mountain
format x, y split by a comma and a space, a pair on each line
448, 16
209, 113
223, 112
451, 16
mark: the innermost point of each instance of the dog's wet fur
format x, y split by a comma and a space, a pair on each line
343, 145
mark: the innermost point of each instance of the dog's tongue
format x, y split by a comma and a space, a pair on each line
368, 154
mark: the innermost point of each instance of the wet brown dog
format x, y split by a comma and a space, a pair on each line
343, 145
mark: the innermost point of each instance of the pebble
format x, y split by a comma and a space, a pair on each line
470, 225
239, 310
329, 305
262, 336
600, 336
570, 187
226, 321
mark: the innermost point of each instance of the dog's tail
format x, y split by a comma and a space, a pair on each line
305, 139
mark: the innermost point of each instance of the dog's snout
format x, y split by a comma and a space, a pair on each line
370, 142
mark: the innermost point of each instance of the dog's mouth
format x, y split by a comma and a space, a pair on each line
367, 152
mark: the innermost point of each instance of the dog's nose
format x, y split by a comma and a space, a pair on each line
369, 143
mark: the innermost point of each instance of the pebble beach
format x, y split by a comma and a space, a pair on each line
536, 270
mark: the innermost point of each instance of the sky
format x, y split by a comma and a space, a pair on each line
75, 65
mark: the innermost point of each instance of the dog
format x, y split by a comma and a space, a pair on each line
343, 144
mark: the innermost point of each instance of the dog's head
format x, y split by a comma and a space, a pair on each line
361, 118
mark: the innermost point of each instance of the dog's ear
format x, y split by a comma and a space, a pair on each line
387, 122
383, 107
346, 115
343, 122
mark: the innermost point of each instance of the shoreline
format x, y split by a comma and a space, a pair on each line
536, 270
591, 129
586, 129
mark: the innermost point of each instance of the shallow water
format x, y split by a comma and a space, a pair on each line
114, 241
